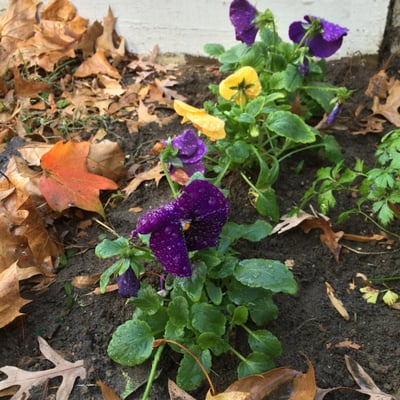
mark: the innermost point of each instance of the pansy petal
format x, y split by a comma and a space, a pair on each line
191, 148
168, 246
206, 210
323, 49
204, 231
242, 14
156, 219
332, 32
296, 31
209, 125
128, 284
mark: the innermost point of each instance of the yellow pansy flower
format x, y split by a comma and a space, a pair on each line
241, 85
211, 126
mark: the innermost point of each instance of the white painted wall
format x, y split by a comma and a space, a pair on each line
185, 26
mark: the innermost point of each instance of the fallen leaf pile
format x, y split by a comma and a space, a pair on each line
61, 80
384, 92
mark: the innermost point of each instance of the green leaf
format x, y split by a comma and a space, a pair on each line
174, 332
267, 203
233, 55
119, 267
147, 299
332, 149
263, 341
255, 106
193, 285
246, 119
214, 49
290, 126
214, 292
263, 310
239, 152
213, 342
189, 375
240, 316
110, 248
131, 343
208, 318
224, 269
255, 363
258, 301
290, 79
267, 274
178, 311
231, 232
319, 92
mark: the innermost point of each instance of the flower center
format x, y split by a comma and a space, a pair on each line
185, 225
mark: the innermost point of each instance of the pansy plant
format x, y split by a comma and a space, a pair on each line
274, 93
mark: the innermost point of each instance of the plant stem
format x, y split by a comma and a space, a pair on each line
385, 279
237, 354
218, 179
167, 175
153, 370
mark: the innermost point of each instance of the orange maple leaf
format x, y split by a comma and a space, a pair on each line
66, 181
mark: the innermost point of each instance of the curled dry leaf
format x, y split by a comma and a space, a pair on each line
96, 64
336, 302
283, 383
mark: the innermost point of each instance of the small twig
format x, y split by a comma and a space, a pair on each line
108, 228
369, 252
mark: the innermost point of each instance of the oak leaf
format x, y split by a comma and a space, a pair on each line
155, 173
26, 380
105, 42
66, 181
10, 300
96, 64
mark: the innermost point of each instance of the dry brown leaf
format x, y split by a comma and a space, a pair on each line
389, 109
85, 281
106, 158
336, 302
96, 64
304, 385
144, 117
328, 237
10, 300
378, 85
363, 239
176, 393
109, 289
348, 344
106, 391
26, 380
155, 173
88, 40
58, 10
28, 88
105, 42
260, 386
370, 124
17, 23
291, 221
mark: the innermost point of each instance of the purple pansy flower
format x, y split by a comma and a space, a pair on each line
128, 284
242, 14
191, 150
334, 113
304, 67
191, 222
323, 38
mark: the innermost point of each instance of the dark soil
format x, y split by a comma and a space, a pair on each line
307, 322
